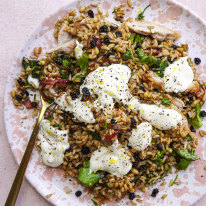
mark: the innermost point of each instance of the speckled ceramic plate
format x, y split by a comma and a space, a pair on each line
48, 181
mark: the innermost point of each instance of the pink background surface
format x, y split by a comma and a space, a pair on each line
17, 21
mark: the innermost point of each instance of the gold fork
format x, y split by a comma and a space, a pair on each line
14, 191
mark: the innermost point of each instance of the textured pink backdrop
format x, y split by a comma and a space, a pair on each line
18, 18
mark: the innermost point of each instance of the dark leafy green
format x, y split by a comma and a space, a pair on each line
197, 121
126, 56
94, 202
187, 155
141, 14
132, 38
182, 164
105, 124
132, 55
189, 138
138, 38
83, 62
95, 135
64, 75
159, 157
36, 67
166, 102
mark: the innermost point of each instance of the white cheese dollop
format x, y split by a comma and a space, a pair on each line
162, 119
33, 81
113, 160
178, 76
109, 83
78, 52
53, 144
80, 109
141, 137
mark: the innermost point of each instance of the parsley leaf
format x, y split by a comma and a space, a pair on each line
166, 102
141, 14
94, 202
182, 164
183, 46
132, 38
189, 138
64, 75
132, 55
105, 124
83, 62
187, 155
173, 182
159, 156
66, 62
127, 56
197, 121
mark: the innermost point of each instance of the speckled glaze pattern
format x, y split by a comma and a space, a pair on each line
51, 181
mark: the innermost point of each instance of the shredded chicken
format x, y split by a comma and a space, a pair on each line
157, 31
154, 80
112, 22
178, 103
67, 47
63, 36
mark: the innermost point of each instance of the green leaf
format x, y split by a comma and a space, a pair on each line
28, 86
154, 140
166, 102
71, 20
51, 118
197, 121
34, 97
87, 178
189, 138
114, 11
94, 202
66, 62
183, 164
126, 56
56, 125
130, 49
139, 38
186, 155
64, 75
149, 60
160, 67
159, 156
87, 163
105, 124
183, 46
50, 101
173, 182
83, 62
140, 53
95, 135
141, 14
132, 38
36, 67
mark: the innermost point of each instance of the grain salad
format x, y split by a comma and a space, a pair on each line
127, 102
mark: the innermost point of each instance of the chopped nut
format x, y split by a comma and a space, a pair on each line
164, 196
202, 133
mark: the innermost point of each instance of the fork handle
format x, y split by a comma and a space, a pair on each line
14, 191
